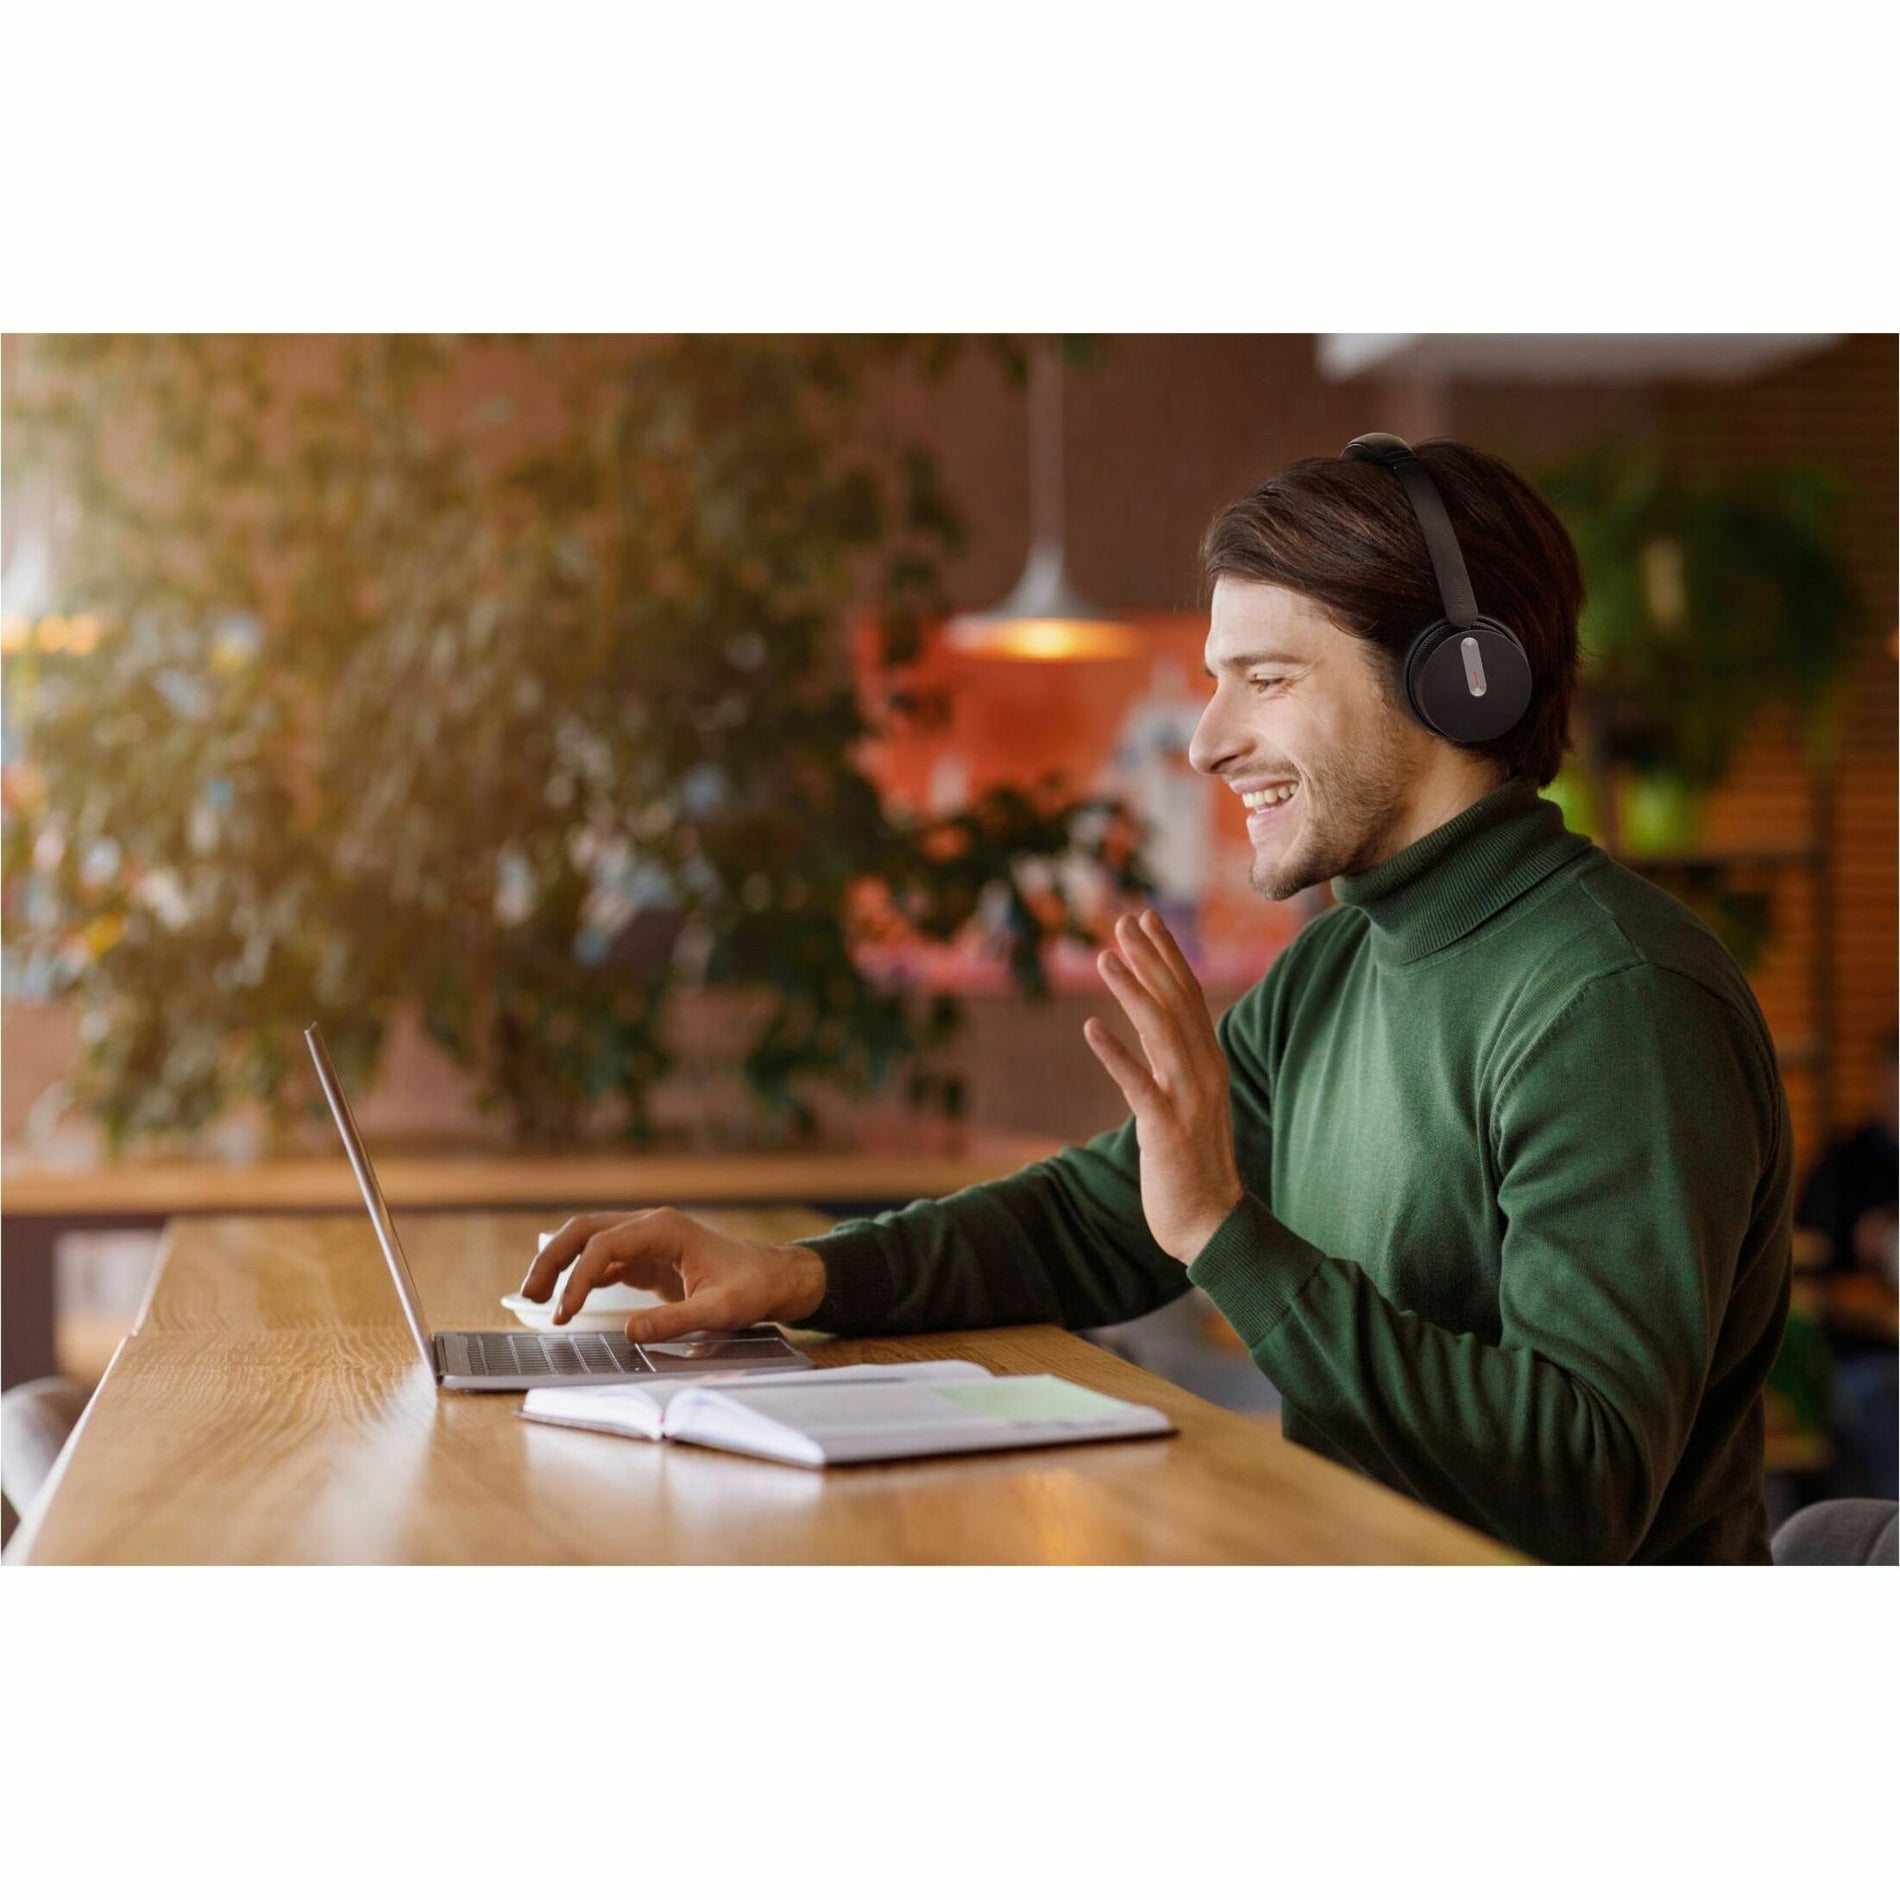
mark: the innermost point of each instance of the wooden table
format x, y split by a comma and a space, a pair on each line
39, 1202
270, 1408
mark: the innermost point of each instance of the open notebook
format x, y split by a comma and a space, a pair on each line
847, 1414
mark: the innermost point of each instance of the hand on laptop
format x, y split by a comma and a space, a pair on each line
710, 1280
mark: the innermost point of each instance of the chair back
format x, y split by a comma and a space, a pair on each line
1840, 1531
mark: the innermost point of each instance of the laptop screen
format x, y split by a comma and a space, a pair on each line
372, 1194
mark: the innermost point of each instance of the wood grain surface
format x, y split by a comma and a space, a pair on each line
271, 1408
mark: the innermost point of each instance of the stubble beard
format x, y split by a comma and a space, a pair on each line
1351, 809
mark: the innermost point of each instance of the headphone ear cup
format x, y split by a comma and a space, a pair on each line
1469, 685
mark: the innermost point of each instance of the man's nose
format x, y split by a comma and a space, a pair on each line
1213, 743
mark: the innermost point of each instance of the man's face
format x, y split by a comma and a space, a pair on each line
1299, 703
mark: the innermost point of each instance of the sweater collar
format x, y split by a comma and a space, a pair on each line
1444, 885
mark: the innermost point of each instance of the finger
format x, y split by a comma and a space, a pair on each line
639, 1249
1134, 1081
616, 1268
549, 1264
712, 1311
1145, 956
1172, 954
1157, 1021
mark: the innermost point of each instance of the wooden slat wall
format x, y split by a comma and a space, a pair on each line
1839, 407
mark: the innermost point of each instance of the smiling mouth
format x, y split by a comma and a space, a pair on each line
1267, 813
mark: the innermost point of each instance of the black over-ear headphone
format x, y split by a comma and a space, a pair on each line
1465, 676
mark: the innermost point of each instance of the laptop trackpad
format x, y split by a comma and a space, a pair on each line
761, 1348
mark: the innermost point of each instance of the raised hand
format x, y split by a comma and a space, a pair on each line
1177, 1089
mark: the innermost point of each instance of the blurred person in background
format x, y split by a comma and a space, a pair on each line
1852, 1202
1492, 1171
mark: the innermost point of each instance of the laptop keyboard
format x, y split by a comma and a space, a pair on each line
535, 1355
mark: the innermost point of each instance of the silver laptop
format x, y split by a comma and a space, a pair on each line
513, 1361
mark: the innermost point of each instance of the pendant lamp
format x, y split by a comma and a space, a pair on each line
1044, 617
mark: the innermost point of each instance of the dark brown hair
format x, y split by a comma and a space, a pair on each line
1343, 534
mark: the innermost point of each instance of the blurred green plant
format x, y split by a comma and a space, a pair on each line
528, 707
1711, 593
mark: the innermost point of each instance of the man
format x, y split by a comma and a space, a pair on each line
1491, 1171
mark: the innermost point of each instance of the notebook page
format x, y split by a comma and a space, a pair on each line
634, 1410
638, 1407
903, 1372
845, 1424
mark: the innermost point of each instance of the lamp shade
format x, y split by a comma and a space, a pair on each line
1044, 617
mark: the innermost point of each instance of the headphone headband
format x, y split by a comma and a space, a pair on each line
1441, 543
1465, 677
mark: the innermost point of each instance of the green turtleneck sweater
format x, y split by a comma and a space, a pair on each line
1515, 1235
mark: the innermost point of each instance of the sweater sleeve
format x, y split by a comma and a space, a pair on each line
1631, 1141
1063, 1240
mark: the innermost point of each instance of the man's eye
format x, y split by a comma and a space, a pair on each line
1260, 684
